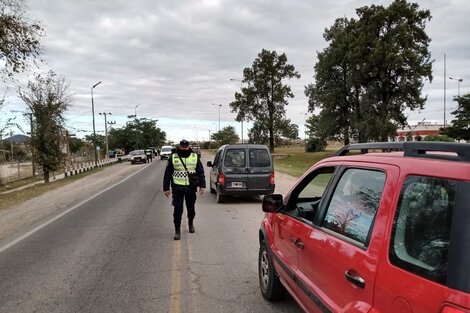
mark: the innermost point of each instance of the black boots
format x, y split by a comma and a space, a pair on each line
177, 235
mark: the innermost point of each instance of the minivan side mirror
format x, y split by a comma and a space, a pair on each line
272, 203
209, 164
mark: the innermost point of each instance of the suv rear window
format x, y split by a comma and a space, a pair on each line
259, 158
235, 158
421, 230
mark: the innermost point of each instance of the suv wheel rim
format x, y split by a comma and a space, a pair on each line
264, 269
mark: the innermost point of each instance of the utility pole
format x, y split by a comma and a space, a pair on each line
32, 146
1, 142
11, 145
105, 130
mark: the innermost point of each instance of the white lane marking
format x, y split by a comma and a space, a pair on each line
26, 235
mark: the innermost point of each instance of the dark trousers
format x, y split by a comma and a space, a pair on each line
149, 158
178, 198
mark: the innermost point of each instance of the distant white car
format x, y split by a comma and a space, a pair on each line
165, 152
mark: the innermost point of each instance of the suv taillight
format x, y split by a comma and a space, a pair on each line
271, 179
451, 309
221, 179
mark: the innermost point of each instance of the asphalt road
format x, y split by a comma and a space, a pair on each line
116, 253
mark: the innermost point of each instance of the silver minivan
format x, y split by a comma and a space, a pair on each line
241, 169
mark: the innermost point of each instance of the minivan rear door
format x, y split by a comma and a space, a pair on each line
259, 169
235, 168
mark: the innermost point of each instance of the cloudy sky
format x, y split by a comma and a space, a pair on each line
171, 60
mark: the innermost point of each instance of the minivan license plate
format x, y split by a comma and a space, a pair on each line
237, 184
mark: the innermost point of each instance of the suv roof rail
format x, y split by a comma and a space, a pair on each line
364, 147
415, 149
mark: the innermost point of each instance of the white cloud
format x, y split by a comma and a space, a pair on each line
175, 58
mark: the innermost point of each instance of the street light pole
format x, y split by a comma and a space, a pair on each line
241, 92
93, 114
105, 130
220, 105
209, 139
135, 110
445, 95
459, 80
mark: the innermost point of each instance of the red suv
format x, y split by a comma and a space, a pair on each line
383, 231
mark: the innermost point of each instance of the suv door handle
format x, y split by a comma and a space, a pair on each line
355, 279
299, 243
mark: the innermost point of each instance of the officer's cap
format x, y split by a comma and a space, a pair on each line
184, 143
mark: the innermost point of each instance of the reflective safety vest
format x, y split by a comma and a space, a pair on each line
180, 176
148, 151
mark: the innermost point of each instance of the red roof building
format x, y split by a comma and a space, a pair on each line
419, 132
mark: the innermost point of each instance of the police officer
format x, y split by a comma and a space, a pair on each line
182, 166
148, 153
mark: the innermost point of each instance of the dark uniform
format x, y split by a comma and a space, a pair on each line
182, 190
148, 153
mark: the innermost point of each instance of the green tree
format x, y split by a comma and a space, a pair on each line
460, 126
265, 97
318, 128
75, 144
226, 135
373, 69
137, 134
284, 129
47, 97
19, 37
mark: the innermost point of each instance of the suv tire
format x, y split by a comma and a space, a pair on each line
271, 287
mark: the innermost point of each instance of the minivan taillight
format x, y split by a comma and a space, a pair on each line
221, 179
451, 309
271, 179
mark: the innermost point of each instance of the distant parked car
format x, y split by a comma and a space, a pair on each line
137, 156
196, 149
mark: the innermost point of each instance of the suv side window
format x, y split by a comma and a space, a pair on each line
421, 230
354, 203
311, 192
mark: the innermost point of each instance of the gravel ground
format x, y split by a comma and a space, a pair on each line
26, 215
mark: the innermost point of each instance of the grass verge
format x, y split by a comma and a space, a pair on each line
296, 160
19, 183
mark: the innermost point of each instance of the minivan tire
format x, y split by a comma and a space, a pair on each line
219, 197
270, 285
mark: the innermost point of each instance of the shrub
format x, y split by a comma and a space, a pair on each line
315, 145
438, 138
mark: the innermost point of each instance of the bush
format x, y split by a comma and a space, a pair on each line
315, 145
438, 138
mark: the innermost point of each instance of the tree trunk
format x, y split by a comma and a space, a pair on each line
46, 175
